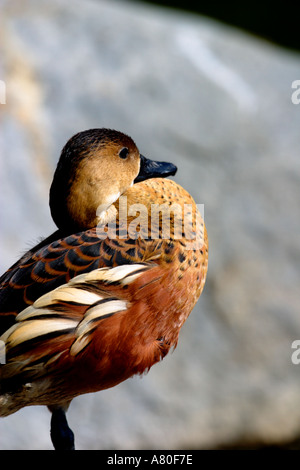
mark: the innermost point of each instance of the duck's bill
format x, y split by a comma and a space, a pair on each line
152, 169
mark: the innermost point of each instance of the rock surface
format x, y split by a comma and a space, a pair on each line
217, 103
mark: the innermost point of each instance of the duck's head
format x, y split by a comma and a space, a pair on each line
95, 167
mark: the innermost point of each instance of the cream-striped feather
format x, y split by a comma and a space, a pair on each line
110, 275
33, 329
43, 318
94, 314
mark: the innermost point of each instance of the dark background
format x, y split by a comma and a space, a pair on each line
278, 22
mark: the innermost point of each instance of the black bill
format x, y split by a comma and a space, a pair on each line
152, 169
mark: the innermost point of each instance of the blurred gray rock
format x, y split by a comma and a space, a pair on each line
217, 103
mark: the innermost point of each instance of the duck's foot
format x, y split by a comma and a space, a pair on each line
61, 435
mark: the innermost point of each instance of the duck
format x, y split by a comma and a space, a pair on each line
104, 297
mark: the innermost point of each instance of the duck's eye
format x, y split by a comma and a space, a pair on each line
124, 153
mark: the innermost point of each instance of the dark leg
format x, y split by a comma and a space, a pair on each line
61, 435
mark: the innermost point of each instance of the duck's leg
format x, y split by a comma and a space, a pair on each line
61, 435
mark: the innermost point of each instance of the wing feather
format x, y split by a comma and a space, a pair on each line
53, 264
69, 313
